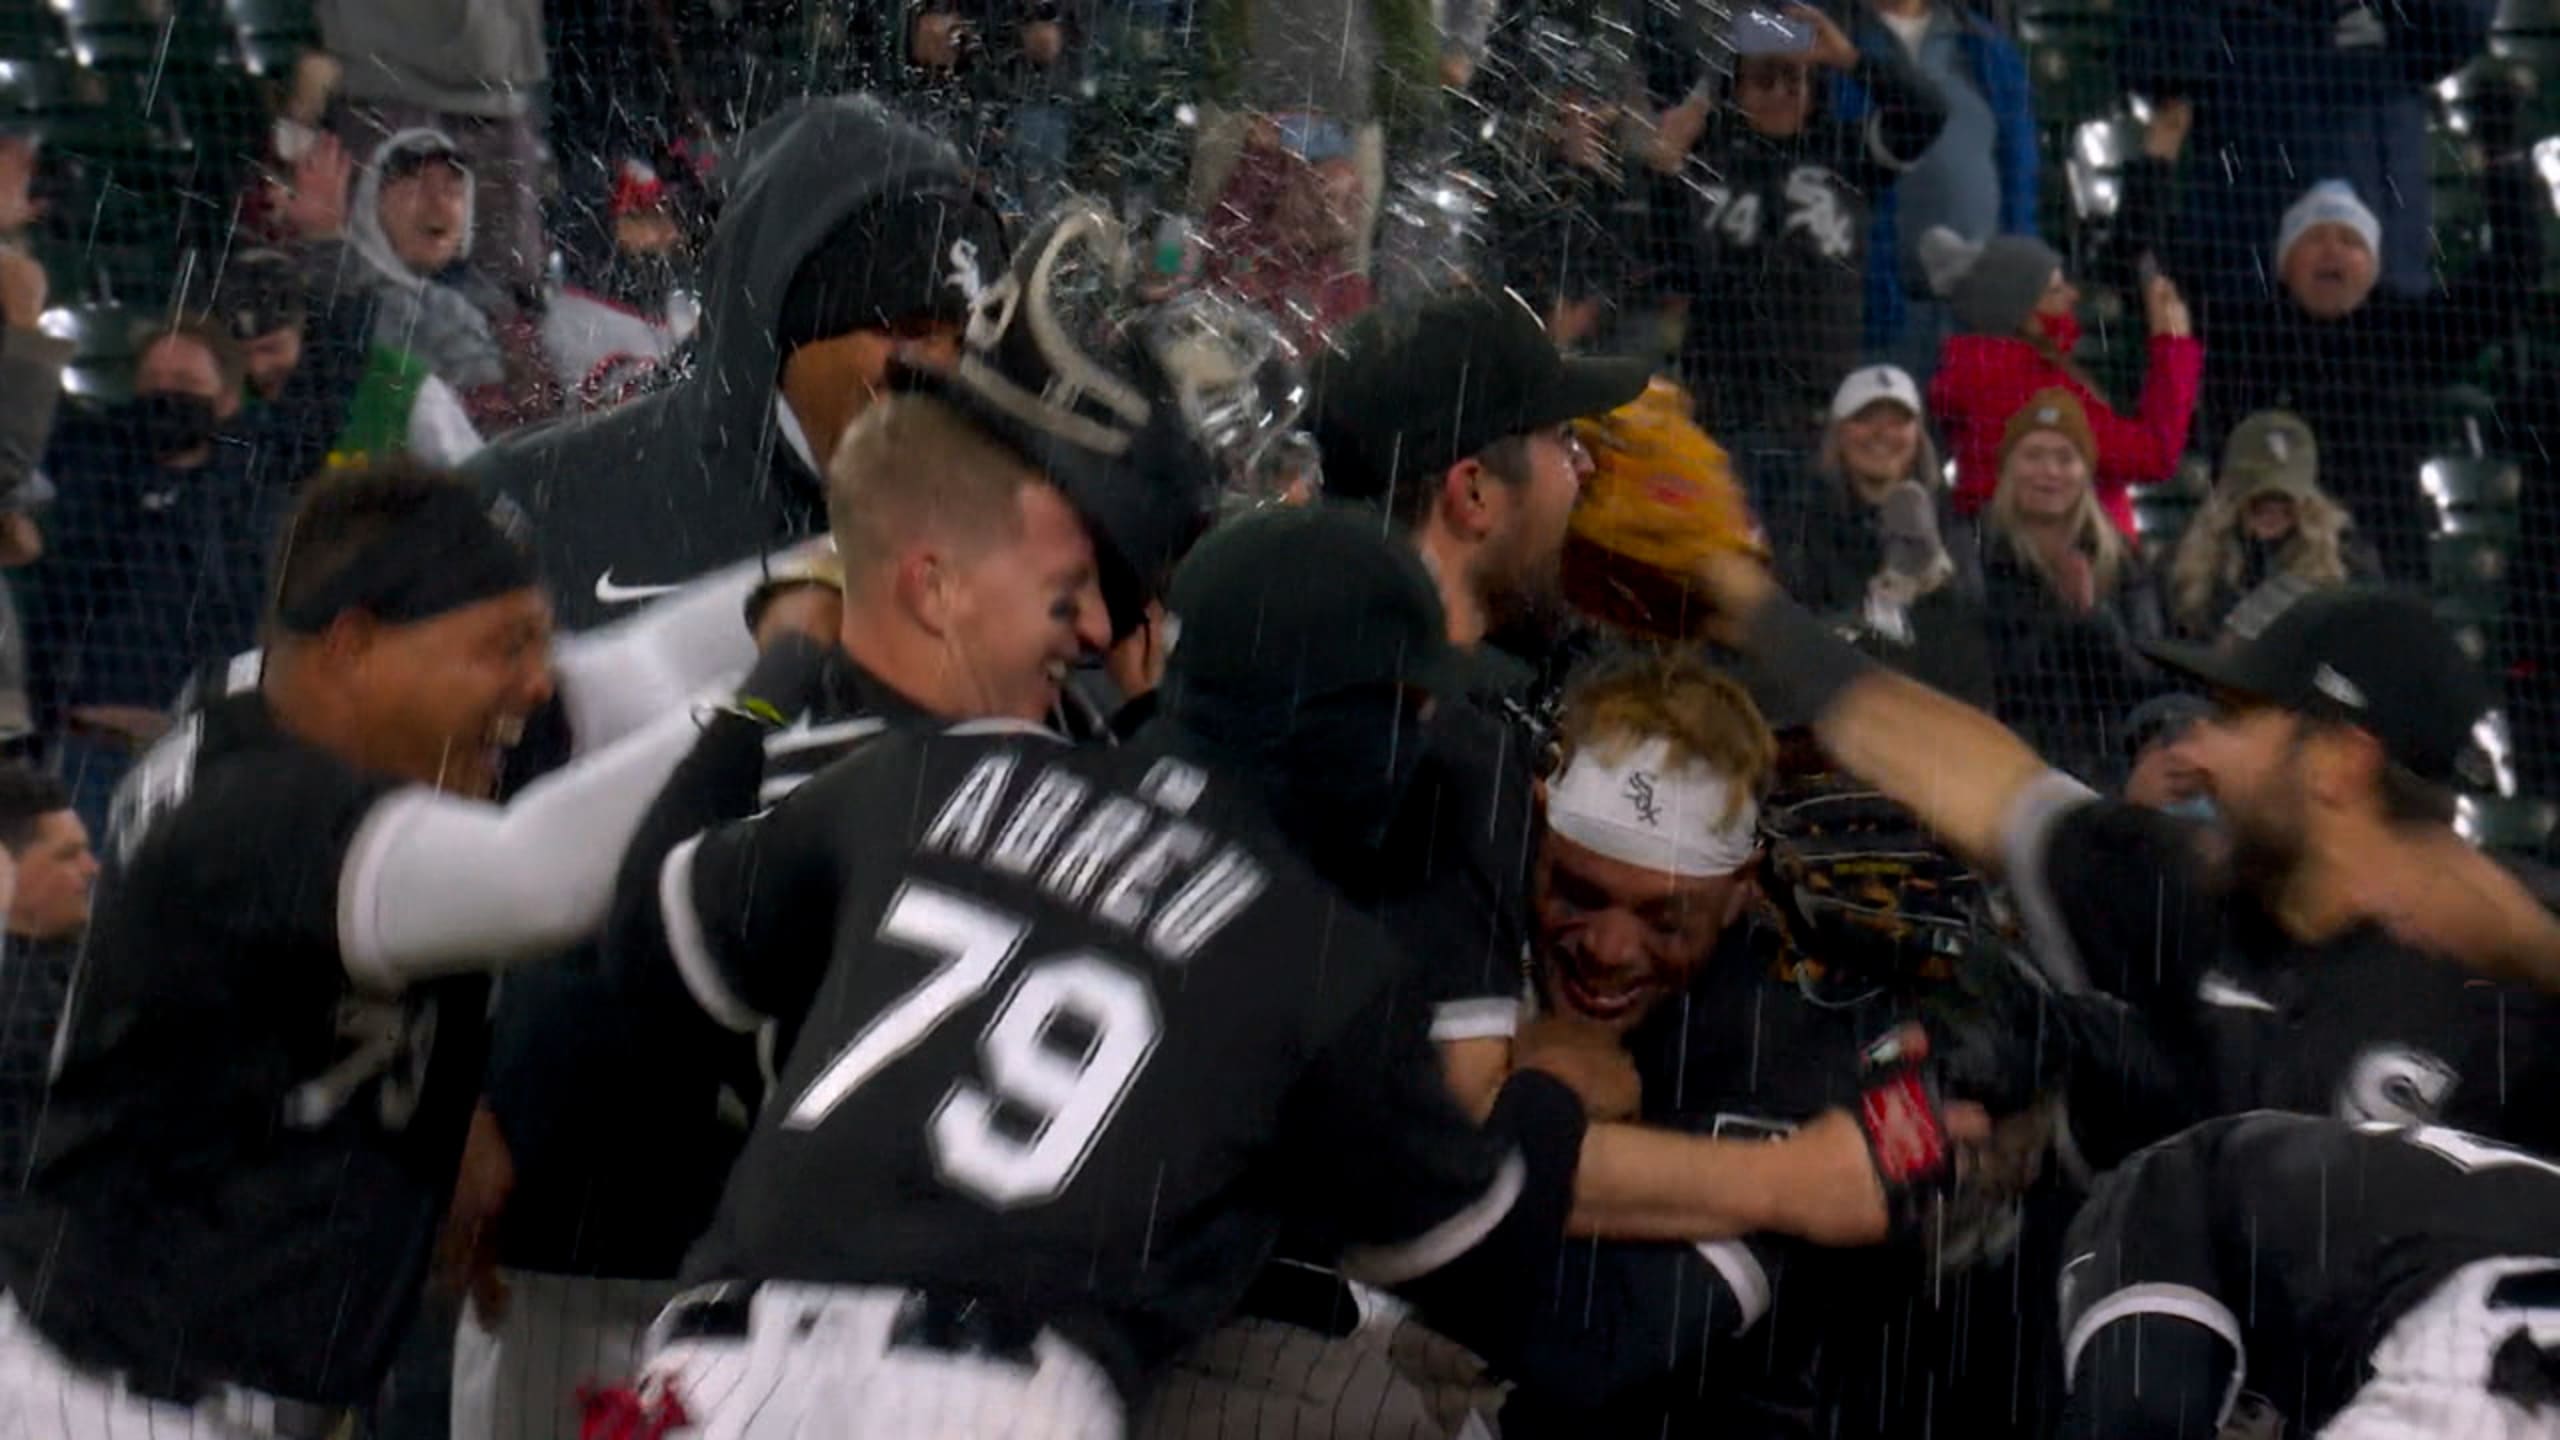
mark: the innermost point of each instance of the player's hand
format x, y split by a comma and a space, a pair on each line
803, 594
1587, 1058
468, 1250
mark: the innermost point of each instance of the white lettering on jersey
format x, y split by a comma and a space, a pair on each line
1068, 1092
2218, 989
2395, 1085
1202, 908
1037, 822
1114, 826
1813, 207
388, 1044
1124, 901
155, 785
960, 827
1737, 216
1174, 785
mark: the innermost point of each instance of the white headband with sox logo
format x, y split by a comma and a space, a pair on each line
1639, 808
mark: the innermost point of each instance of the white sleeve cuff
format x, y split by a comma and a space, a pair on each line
2178, 1302
1493, 1017
2026, 843
1743, 1275
1387, 1266
694, 961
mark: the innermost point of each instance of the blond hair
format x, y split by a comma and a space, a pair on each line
2210, 553
2091, 530
911, 464
1699, 713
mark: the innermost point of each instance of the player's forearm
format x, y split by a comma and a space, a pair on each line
1958, 769
619, 678
435, 884
1640, 1183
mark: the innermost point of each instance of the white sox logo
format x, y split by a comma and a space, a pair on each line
1639, 793
2396, 1085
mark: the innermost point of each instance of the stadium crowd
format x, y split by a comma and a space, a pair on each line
1685, 709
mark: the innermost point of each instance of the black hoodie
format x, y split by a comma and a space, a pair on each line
645, 496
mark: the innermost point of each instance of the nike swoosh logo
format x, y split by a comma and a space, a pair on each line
608, 593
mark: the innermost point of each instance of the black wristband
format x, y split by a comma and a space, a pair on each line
1797, 665
1545, 1118
787, 675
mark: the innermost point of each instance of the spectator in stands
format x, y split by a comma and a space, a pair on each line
30, 387
1361, 65
2362, 365
1282, 237
48, 915
1863, 536
402, 242
619, 312
2019, 316
154, 558
470, 70
1977, 179
1570, 215
318, 387
1784, 192
2268, 521
2066, 603
2282, 92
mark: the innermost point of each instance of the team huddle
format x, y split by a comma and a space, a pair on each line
1059, 932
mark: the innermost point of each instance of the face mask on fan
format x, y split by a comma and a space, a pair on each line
170, 422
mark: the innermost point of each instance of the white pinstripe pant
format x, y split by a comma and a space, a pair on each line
520, 1381
1391, 1379
816, 1364
2431, 1373
45, 1397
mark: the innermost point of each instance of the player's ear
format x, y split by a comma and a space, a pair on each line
350, 637
2343, 767
1467, 504
923, 586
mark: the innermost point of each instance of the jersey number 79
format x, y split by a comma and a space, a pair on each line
1067, 1099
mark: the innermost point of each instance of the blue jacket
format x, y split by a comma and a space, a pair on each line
2000, 73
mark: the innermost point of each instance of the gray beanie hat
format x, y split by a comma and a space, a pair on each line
1992, 286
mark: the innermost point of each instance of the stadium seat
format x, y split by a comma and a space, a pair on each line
2468, 560
2510, 823
268, 35
102, 353
2473, 493
2474, 622
117, 34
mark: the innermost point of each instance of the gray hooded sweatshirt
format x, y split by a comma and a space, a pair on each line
662, 488
435, 321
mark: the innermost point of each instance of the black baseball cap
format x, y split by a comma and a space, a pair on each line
1413, 389
260, 293
2375, 658
1298, 602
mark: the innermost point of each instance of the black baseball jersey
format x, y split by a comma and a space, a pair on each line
2300, 1240
2361, 1026
245, 1154
622, 1133
1073, 1034
35, 980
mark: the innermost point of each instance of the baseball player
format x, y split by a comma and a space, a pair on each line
1075, 1030
975, 582
2325, 959
270, 1050
1736, 955
2370, 1282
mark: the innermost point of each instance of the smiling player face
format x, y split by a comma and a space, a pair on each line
1616, 939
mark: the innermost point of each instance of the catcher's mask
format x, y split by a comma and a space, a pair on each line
1141, 414
1860, 886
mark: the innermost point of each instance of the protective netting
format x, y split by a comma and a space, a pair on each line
1749, 195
